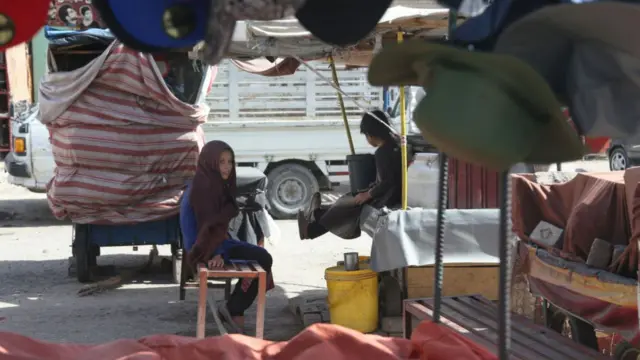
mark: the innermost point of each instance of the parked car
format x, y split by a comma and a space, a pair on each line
622, 155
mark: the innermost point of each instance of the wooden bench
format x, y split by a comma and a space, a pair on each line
477, 319
234, 270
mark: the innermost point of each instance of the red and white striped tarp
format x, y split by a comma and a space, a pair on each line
123, 144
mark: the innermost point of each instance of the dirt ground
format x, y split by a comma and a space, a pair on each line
39, 299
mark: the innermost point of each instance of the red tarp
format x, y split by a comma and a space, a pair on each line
317, 342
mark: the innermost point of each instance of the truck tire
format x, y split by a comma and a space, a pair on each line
290, 189
85, 258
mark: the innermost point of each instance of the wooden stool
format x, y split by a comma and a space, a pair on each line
185, 282
237, 269
476, 318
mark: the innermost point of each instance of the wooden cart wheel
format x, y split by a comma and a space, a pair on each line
83, 252
579, 331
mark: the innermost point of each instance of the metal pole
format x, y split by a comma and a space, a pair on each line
403, 139
443, 198
334, 74
504, 248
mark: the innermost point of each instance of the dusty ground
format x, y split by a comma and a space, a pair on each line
38, 298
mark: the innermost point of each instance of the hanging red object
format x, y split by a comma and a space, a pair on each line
21, 20
597, 145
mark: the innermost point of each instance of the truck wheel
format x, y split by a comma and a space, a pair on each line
82, 251
290, 189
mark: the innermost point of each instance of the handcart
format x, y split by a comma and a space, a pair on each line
89, 238
115, 179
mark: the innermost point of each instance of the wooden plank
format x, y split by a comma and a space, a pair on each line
202, 305
460, 280
476, 318
19, 73
261, 306
422, 312
257, 267
244, 267
528, 328
524, 347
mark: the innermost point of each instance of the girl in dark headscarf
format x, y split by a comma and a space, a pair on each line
213, 200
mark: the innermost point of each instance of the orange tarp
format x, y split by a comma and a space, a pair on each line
317, 342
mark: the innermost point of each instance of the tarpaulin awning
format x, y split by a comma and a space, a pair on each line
286, 37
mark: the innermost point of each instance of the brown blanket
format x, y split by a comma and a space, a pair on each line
592, 205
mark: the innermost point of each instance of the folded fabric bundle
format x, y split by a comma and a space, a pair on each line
489, 109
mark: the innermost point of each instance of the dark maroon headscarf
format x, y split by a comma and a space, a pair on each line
213, 201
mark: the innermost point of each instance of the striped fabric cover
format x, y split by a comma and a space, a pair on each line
124, 145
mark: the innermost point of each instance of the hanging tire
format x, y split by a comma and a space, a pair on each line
83, 252
580, 331
289, 189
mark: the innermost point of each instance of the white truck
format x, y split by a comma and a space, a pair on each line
289, 127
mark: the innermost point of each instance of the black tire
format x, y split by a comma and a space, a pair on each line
581, 332
83, 252
618, 159
625, 351
289, 189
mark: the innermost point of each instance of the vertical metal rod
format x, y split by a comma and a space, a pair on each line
334, 74
504, 309
443, 198
403, 139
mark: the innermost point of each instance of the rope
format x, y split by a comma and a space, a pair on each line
337, 88
334, 74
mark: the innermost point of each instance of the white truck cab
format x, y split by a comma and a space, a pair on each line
30, 163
